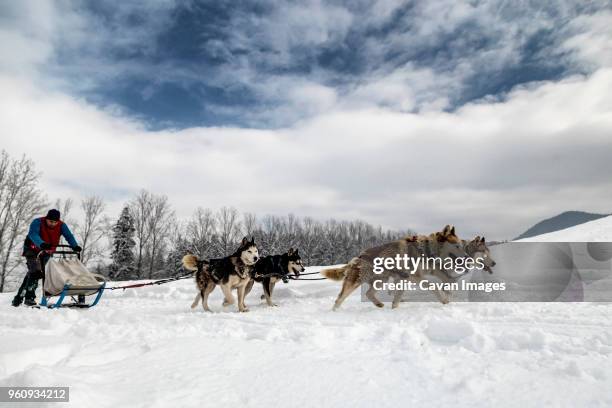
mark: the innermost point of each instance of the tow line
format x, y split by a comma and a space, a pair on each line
190, 274
156, 282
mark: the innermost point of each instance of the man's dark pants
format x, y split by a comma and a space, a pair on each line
35, 272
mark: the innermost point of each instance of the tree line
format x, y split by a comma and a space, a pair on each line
147, 239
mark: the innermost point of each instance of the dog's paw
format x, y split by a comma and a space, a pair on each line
244, 310
380, 304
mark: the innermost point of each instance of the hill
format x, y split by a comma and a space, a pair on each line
559, 222
599, 230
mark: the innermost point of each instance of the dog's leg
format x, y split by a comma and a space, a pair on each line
199, 285
196, 300
348, 286
371, 295
210, 286
227, 293
442, 297
241, 293
249, 286
263, 284
272, 284
268, 286
397, 298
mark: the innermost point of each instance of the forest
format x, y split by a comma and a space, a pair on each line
147, 239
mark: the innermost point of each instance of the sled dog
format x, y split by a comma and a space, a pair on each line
231, 272
272, 268
478, 248
360, 269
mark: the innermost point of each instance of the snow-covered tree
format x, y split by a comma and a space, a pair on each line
123, 244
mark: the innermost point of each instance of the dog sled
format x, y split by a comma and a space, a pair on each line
66, 276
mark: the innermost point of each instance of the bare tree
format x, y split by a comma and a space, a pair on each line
201, 232
92, 228
160, 220
249, 224
228, 228
65, 208
308, 239
20, 201
140, 211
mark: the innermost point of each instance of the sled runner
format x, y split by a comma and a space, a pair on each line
65, 275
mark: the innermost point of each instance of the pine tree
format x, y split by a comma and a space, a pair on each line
123, 244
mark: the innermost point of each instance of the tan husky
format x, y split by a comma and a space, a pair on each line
359, 270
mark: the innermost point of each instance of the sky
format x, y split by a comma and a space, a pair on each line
487, 115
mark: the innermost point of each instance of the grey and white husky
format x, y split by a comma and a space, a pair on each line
232, 272
477, 248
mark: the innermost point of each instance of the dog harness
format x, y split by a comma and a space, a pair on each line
276, 266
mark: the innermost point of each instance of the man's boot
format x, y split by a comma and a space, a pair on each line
18, 299
30, 302
30, 294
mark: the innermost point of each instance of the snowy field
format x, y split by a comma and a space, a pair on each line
146, 348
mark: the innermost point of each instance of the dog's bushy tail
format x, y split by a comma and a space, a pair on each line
336, 274
190, 262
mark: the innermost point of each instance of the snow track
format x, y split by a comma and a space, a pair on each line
146, 348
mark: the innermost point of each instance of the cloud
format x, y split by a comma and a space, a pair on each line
250, 66
25, 29
490, 168
375, 110
591, 39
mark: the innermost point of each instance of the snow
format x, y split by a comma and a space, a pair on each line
146, 348
599, 230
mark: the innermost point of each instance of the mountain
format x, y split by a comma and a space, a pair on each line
599, 230
559, 222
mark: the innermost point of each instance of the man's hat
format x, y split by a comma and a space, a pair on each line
53, 215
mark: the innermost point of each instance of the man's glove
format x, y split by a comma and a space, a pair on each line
77, 248
45, 246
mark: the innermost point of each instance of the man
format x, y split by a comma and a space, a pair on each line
44, 236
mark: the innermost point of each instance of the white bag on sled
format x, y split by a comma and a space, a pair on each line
69, 277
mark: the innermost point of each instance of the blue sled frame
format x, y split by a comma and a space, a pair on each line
44, 302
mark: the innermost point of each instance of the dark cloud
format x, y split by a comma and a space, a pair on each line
181, 64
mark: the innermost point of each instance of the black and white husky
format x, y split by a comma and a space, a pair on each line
272, 268
231, 272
